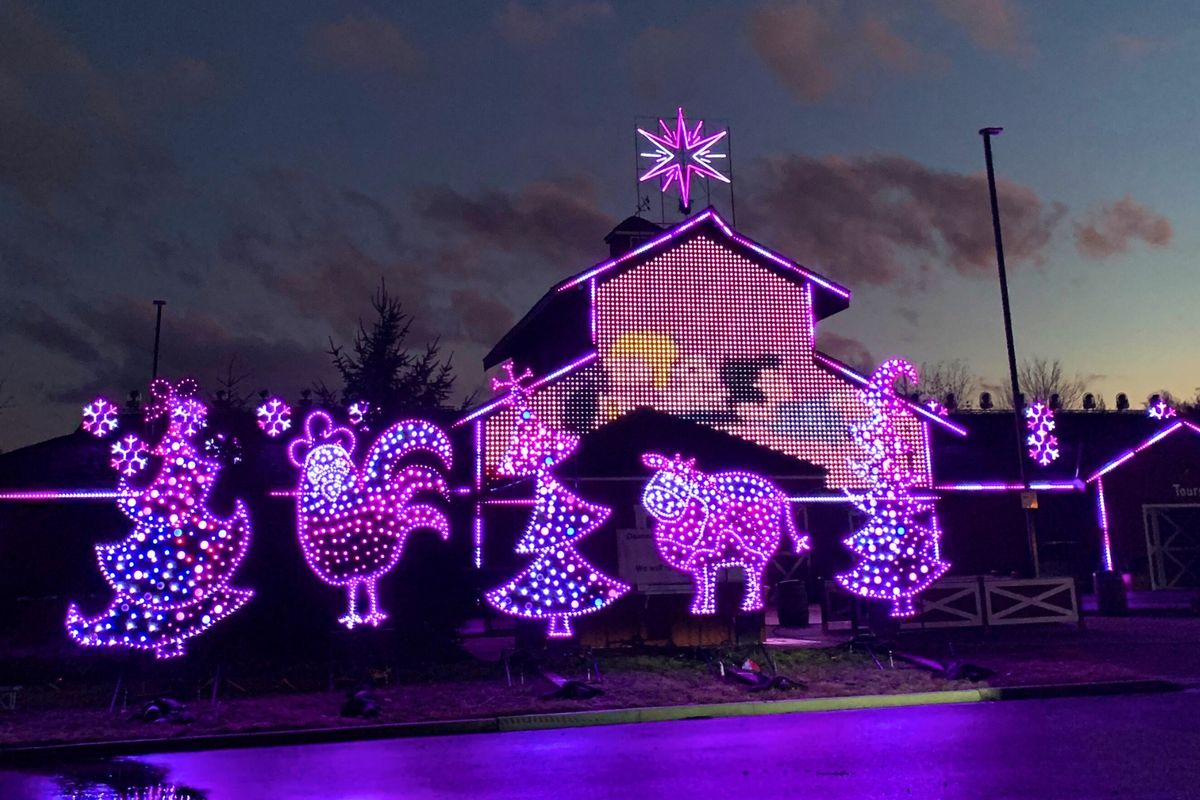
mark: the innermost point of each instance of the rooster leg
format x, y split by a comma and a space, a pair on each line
374, 615
351, 618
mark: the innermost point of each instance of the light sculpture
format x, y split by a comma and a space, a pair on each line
100, 417
1043, 444
170, 575
129, 455
898, 546
357, 412
274, 417
707, 522
559, 584
680, 154
1160, 409
352, 521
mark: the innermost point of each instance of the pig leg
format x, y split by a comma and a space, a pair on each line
703, 598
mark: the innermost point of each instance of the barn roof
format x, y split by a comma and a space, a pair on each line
557, 329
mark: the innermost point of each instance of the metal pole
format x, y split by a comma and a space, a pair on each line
1018, 400
157, 336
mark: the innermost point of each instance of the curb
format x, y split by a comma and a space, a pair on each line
570, 719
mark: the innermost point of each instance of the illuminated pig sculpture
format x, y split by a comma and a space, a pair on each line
706, 522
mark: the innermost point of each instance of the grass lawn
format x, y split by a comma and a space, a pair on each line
468, 689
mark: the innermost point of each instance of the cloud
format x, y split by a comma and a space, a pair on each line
58, 110
556, 220
815, 48
524, 26
365, 43
847, 349
992, 25
654, 61
1132, 47
1113, 228
884, 219
482, 318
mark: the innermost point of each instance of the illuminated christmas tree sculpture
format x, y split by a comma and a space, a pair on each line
898, 547
559, 584
171, 574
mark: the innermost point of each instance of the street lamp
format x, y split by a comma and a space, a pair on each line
1027, 502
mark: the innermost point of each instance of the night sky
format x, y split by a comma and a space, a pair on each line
261, 165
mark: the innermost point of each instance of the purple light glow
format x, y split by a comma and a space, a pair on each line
708, 522
1043, 444
1102, 510
170, 577
898, 553
506, 399
357, 412
1161, 410
687, 225
100, 417
41, 495
1042, 486
352, 522
862, 380
680, 154
274, 417
559, 584
130, 455
1128, 454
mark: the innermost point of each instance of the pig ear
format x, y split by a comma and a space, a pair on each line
653, 460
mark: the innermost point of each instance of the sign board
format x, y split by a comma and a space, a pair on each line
1029, 500
638, 564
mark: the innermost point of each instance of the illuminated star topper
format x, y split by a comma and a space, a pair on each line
680, 154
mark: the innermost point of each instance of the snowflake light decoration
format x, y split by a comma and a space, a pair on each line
274, 417
130, 455
357, 413
1160, 410
681, 153
100, 417
937, 408
1043, 444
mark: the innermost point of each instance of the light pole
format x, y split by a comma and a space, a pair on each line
1018, 399
157, 335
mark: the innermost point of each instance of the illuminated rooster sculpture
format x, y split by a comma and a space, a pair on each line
352, 522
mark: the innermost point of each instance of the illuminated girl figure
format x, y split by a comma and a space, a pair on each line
897, 548
559, 584
171, 574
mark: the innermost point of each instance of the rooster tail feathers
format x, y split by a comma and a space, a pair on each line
398, 441
423, 515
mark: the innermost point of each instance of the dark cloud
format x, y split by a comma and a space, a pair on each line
814, 48
1113, 228
992, 25
654, 61
525, 26
881, 219
482, 318
557, 221
846, 349
365, 43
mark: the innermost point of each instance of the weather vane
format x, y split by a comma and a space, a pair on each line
680, 154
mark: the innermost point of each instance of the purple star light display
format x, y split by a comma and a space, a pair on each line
1043, 444
353, 520
680, 154
706, 522
559, 584
898, 547
170, 575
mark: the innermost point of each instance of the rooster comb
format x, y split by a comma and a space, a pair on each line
319, 429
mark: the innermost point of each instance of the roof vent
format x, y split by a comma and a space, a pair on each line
630, 234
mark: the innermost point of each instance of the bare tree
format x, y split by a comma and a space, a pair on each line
949, 377
231, 395
1040, 378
